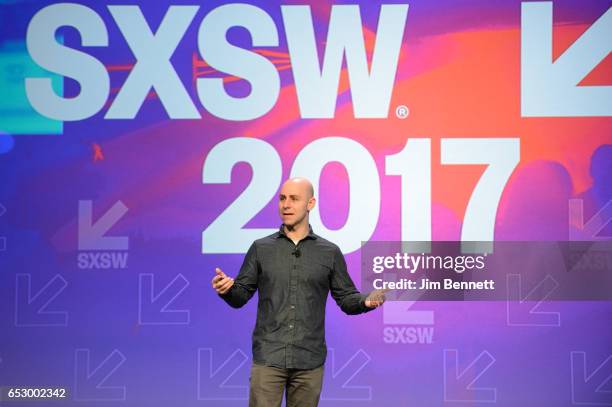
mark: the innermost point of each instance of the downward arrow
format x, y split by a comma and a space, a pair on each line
550, 88
590, 229
153, 309
89, 385
91, 235
212, 383
32, 310
459, 386
521, 311
589, 389
338, 385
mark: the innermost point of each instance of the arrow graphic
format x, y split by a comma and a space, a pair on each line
588, 389
91, 235
89, 384
523, 311
213, 383
459, 386
338, 385
589, 230
549, 88
154, 309
32, 310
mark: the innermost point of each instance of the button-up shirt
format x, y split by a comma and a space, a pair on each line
293, 282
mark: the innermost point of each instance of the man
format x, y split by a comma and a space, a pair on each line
294, 270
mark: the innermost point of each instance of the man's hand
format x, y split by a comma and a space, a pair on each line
221, 283
376, 298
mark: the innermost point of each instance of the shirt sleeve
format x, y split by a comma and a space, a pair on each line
245, 284
343, 290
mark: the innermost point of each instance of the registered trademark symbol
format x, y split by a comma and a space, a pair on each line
402, 111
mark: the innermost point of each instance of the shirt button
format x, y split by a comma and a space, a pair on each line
291, 326
293, 307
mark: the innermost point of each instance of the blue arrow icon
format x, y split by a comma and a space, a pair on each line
524, 310
339, 378
31, 310
153, 309
588, 388
213, 382
89, 384
92, 234
459, 385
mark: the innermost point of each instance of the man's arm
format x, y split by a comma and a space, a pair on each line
343, 291
245, 284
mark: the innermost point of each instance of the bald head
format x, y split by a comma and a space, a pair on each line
303, 184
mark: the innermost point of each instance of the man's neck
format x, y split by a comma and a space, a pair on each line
297, 232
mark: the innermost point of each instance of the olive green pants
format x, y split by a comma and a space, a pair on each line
301, 387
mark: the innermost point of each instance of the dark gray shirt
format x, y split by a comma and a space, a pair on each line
293, 283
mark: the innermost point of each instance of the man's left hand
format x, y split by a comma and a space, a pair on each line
376, 298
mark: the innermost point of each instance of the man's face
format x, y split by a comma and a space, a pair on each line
294, 203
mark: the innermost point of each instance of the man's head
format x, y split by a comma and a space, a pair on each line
296, 199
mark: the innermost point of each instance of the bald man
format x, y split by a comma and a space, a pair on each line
294, 270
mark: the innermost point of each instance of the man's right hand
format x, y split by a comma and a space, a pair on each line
221, 283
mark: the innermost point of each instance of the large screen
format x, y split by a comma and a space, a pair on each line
143, 145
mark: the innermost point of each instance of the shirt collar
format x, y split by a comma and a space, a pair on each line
281, 232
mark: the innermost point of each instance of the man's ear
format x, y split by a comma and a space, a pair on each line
311, 204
